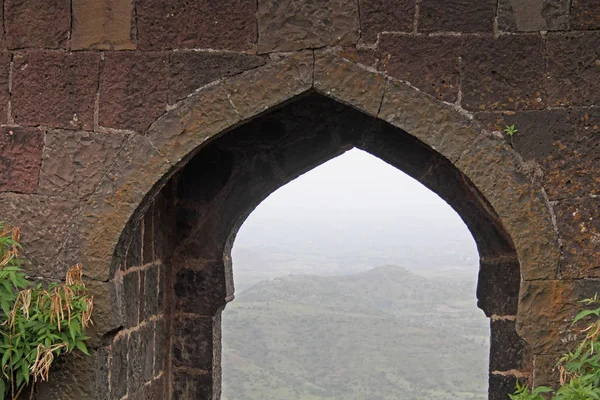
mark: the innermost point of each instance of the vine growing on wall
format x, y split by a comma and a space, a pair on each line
580, 369
39, 322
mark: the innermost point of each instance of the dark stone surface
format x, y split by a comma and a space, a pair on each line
148, 236
504, 73
55, 89
119, 368
37, 23
499, 386
133, 89
193, 342
457, 15
5, 59
585, 14
135, 361
314, 24
573, 69
200, 291
507, 349
20, 157
377, 16
187, 385
146, 351
429, 63
150, 307
190, 70
566, 144
131, 293
161, 343
498, 288
533, 15
579, 220
74, 161
226, 25
134, 250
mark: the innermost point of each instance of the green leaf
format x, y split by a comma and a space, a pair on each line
81, 346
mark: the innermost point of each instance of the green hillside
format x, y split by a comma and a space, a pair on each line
376, 335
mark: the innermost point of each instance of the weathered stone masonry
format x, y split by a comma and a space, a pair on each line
136, 136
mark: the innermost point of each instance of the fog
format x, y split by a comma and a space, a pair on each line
352, 213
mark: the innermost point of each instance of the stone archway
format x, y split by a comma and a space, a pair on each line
130, 242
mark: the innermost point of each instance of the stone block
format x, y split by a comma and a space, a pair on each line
119, 367
201, 24
37, 23
134, 250
133, 89
507, 350
503, 73
187, 385
533, 15
190, 70
74, 161
193, 342
146, 351
151, 276
578, 223
377, 16
566, 146
135, 361
573, 69
200, 291
545, 372
500, 386
5, 59
148, 236
348, 83
363, 56
585, 14
161, 346
55, 89
44, 225
20, 157
131, 298
428, 63
314, 24
457, 15
498, 288
103, 25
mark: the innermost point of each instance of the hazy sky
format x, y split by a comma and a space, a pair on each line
352, 203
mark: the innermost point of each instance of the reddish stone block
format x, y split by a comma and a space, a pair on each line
55, 89
457, 15
133, 89
377, 16
573, 69
533, 15
429, 63
585, 14
103, 24
503, 73
172, 24
5, 59
366, 57
566, 144
189, 70
20, 158
37, 23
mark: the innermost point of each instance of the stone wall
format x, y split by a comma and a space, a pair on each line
134, 137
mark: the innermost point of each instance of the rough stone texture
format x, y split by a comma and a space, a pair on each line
573, 69
193, 343
507, 349
226, 25
565, 144
133, 89
55, 89
74, 161
348, 83
44, 223
579, 220
500, 386
37, 23
103, 24
503, 73
5, 59
456, 15
118, 368
429, 63
187, 385
533, 15
545, 372
314, 24
200, 291
20, 157
150, 305
362, 56
377, 16
498, 288
131, 286
498, 173
190, 70
585, 14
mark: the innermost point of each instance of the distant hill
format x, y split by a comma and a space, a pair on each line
381, 334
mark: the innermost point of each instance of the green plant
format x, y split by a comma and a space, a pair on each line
510, 131
38, 323
579, 369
